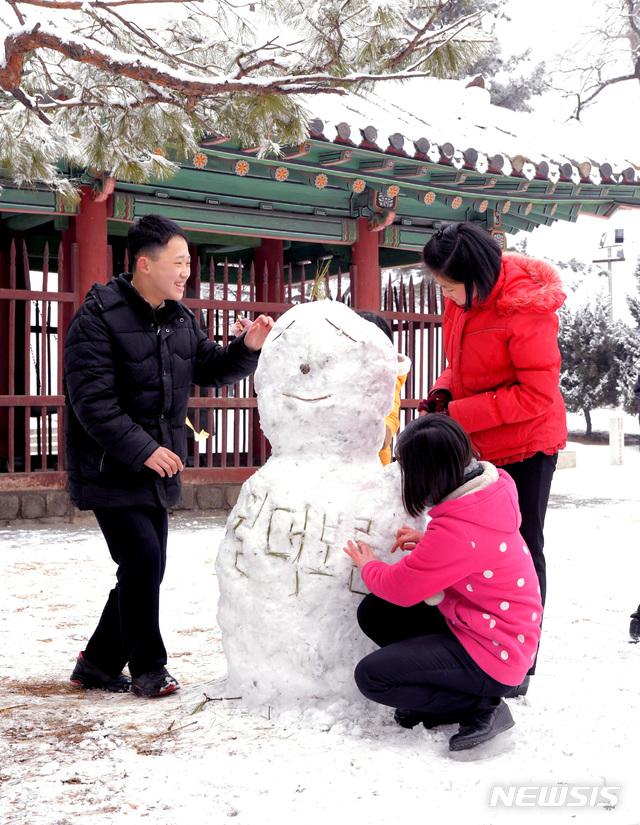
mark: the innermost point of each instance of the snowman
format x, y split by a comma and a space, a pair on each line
288, 592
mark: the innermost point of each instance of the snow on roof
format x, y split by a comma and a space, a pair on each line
448, 120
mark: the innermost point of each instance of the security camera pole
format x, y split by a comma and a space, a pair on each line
611, 259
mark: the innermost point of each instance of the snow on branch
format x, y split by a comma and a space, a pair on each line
112, 78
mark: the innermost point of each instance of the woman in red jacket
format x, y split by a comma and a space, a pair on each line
501, 341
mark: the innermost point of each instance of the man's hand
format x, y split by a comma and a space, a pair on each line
406, 538
360, 553
164, 462
257, 332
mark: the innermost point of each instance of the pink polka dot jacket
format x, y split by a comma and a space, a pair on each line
474, 564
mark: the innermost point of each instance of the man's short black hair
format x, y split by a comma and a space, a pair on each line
466, 254
149, 234
433, 452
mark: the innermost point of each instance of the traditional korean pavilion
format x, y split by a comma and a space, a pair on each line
362, 194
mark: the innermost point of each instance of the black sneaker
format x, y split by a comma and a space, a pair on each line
634, 627
87, 676
156, 683
486, 725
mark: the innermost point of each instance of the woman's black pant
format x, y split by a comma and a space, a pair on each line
129, 628
421, 665
533, 478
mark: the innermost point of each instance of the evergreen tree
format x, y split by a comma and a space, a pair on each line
589, 345
109, 84
633, 301
631, 368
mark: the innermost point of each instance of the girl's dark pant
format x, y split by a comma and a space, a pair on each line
421, 666
533, 478
129, 628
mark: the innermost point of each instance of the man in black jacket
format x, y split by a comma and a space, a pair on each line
132, 352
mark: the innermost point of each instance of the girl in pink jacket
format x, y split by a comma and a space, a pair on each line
458, 619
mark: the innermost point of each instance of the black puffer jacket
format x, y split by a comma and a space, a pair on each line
128, 376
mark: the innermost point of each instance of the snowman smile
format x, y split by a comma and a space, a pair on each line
299, 398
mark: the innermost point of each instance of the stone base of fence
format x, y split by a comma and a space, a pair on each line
25, 507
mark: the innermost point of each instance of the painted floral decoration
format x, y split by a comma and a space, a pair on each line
528, 209
506, 207
282, 173
200, 160
555, 206
429, 198
242, 168
483, 206
359, 185
393, 191
456, 203
321, 180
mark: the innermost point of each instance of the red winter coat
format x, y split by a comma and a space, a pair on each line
504, 364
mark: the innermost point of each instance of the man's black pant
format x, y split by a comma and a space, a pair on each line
421, 665
129, 628
533, 478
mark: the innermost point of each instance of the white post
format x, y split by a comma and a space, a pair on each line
616, 440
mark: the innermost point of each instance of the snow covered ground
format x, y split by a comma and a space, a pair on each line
68, 756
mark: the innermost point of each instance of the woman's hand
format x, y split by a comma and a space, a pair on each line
360, 553
406, 538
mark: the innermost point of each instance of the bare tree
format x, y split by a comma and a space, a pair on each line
109, 84
609, 54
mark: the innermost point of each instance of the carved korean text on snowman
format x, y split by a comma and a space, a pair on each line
306, 540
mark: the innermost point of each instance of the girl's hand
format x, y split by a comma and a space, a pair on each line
406, 538
360, 553
240, 326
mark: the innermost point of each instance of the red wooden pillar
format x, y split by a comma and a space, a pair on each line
367, 285
6, 343
270, 254
91, 237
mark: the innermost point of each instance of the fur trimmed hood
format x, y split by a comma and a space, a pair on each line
527, 285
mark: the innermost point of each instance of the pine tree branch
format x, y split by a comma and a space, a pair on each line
78, 5
18, 46
425, 33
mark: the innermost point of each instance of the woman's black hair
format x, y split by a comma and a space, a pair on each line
149, 234
466, 254
376, 319
433, 452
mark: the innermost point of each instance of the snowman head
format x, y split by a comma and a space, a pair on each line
325, 382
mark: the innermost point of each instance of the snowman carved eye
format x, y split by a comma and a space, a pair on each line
304, 368
341, 331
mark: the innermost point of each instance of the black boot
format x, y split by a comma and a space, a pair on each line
411, 718
518, 690
634, 627
483, 727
